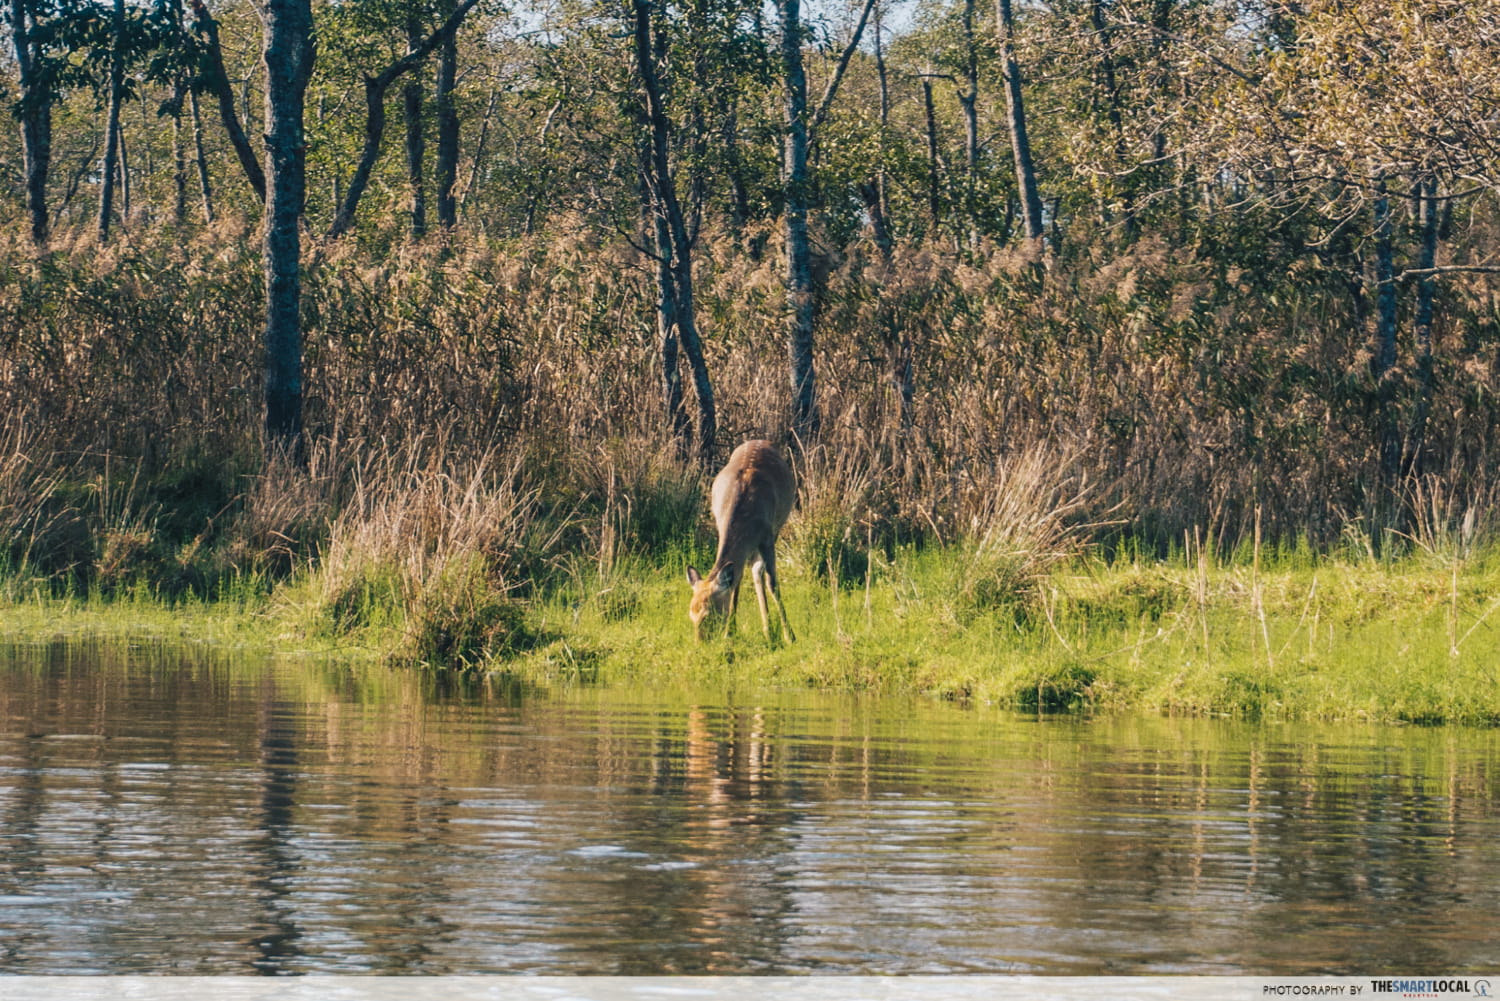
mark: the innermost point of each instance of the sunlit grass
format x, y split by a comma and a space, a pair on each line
1408, 641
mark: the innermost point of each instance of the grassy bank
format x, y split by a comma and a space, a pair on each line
1017, 584
1291, 636
1020, 587
1414, 641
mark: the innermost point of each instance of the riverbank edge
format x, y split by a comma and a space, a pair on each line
1415, 640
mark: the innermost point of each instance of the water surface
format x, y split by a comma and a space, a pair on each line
162, 811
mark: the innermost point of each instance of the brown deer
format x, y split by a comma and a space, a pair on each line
751, 498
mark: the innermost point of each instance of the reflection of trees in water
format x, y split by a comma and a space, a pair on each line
344, 857
23, 810
1300, 842
652, 831
274, 856
390, 822
713, 815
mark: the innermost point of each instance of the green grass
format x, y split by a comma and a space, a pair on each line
1415, 640
1298, 637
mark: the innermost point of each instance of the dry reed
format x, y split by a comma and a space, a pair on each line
1167, 378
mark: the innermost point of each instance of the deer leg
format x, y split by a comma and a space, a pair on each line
758, 577
734, 606
768, 560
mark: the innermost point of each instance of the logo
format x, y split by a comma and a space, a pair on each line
1432, 988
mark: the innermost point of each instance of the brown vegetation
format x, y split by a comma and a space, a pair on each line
1182, 388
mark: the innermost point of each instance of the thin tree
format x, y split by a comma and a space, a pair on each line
112, 128
873, 190
1015, 118
179, 157
1114, 108
673, 247
1383, 351
968, 102
447, 132
412, 98
801, 130
184, 72
34, 107
795, 189
1427, 216
934, 163
205, 183
216, 79
288, 55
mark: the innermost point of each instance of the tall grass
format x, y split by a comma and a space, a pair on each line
1021, 516
438, 550
1187, 391
42, 529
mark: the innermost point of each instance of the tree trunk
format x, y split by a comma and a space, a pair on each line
1428, 214
1383, 355
1015, 116
35, 109
145, 173
217, 78
658, 240
179, 158
112, 125
1114, 104
204, 183
667, 324
416, 147
447, 137
934, 182
797, 194
36, 132
968, 101
883, 78
674, 260
289, 61
480, 144
802, 125
124, 178
894, 334
375, 90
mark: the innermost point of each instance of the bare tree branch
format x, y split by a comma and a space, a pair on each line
831, 91
1411, 274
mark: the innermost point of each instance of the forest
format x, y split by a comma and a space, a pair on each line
467, 288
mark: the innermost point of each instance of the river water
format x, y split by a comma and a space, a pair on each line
163, 811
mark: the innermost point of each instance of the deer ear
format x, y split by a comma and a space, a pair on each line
727, 575
693, 576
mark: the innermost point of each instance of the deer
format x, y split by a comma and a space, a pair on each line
751, 499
